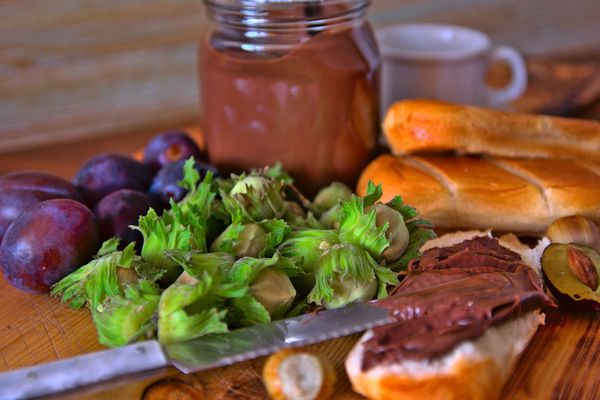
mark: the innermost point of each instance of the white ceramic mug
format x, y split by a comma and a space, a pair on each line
445, 62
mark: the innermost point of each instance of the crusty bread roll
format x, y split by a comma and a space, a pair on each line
475, 369
431, 126
511, 195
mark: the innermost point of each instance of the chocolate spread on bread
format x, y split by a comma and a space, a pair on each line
451, 295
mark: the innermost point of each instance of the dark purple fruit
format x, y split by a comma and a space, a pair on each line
23, 189
120, 209
571, 273
47, 242
169, 147
165, 184
106, 173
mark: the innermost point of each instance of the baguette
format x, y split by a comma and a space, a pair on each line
474, 369
431, 126
512, 195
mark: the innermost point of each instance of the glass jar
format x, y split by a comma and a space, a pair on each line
291, 81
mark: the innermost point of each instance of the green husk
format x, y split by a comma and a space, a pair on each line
307, 245
330, 196
255, 197
196, 263
121, 320
272, 290
420, 231
182, 227
160, 234
360, 228
98, 279
330, 219
187, 311
346, 274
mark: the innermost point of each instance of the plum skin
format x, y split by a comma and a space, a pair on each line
23, 189
106, 173
165, 184
47, 242
168, 147
116, 211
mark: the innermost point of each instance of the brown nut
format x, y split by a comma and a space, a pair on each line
297, 374
582, 267
575, 229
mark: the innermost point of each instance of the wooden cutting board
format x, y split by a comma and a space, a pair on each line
560, 363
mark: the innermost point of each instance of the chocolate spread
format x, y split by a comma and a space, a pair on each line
314, 108
451, 295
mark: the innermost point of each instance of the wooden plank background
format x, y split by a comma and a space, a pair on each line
76, 68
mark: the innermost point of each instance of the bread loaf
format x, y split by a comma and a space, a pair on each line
430, 126
474, 369
513, 195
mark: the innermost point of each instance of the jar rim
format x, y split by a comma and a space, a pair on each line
266, 3
267, 13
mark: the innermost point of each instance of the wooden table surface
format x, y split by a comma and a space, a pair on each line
560, 363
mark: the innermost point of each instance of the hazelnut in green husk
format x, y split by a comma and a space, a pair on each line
254, 239
396, 232
121, 320
346, 274
307, 245
255, 197
330, 196
271, 292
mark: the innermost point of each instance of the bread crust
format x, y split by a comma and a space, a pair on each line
511, 195
476, 381
432, 126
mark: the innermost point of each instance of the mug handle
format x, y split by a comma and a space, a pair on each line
518, 84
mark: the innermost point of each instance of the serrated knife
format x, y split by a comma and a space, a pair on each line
204, 353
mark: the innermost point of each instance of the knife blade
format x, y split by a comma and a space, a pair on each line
199, 354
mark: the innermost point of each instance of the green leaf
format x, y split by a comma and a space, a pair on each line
125, 319
98, 279
360, 228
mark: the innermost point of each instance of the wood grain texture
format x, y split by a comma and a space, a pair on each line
71, 69
560, 362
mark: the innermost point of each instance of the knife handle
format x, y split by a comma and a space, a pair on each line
81, 371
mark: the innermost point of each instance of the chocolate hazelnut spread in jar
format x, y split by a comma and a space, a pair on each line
290, 81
